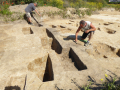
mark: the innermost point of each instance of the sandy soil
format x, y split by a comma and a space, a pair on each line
106, 40
105, 44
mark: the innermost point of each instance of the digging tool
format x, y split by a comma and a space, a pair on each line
40, 18
36, 19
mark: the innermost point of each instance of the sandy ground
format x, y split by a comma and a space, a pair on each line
106, 40
105, 44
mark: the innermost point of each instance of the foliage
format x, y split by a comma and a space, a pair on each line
23, 1
57, 3
106, 85
87, 87
91, 6
110, 84
54, 3
4, 8
13, 17
116, 6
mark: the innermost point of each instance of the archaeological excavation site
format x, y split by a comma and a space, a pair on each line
44, 56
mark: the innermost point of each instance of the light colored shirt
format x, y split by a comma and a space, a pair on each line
87, 27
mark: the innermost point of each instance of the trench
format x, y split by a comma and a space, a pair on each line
55, 44
43, 72
48, 75
71, 55
68, 54
78, 63
118, 53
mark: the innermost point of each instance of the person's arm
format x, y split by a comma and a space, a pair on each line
37, 12
92, 28
77, 33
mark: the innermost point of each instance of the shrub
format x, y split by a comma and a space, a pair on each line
106, 85
4, 8
99, 6
56, 3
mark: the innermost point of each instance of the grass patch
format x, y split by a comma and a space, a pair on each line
107, 84
13, 17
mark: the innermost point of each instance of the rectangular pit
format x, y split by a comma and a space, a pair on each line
78, 63
48, 75
66, 53
27, 30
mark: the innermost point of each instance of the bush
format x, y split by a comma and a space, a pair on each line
108, 84
54, 3
116, 6
57, 3
4, 8
25, 1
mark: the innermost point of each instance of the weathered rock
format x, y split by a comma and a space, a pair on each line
99, 28
54, 26
62, 26
106, 24
105, 56
71, 20
110, 31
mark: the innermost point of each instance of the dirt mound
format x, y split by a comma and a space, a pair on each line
48, 9
21, 8
18, 8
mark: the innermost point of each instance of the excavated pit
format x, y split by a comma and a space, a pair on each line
78, 63
55, 44
118, 53
27, 30
103, 50
110, 31
42, 67
48, 75
67, 54
69, 60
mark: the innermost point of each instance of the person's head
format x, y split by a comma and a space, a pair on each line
82, 23
35, 4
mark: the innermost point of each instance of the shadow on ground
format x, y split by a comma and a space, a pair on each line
94, 85
71, 37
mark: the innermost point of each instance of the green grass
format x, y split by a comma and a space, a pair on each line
107, 84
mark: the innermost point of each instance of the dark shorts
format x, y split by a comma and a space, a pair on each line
85, 34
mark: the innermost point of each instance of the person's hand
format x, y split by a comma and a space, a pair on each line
87, 31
